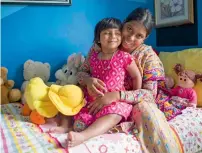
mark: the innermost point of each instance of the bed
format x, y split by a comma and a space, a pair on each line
19, 135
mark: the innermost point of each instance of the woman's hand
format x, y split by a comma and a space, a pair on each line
108, 98
95, 87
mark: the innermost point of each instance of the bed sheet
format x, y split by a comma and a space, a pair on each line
19, 135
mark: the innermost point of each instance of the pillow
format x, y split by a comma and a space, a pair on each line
191, 59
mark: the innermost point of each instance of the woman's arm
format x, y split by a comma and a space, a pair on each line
132, 97
151, 86
152, 71
135, 96
84, 70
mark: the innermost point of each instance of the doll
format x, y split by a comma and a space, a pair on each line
183, 95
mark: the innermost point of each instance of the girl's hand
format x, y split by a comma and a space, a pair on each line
95, 87
107, 99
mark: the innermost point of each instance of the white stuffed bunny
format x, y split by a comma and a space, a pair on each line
68, 73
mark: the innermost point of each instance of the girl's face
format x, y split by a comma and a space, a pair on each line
110, 39
133, 35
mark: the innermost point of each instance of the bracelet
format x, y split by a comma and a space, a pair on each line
122, 95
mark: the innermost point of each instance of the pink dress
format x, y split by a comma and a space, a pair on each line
113, 73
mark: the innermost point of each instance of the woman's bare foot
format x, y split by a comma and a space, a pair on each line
75, 138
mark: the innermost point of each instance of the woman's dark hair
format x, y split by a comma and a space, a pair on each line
104, 24
142, 15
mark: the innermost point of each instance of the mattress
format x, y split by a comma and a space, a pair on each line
19, 135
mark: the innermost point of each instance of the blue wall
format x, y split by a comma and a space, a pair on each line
152, 39
51, 33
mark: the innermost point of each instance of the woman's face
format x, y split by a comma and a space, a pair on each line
133, 35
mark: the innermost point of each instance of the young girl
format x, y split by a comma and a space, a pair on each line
110, 65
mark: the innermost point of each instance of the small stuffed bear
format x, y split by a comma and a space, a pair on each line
184, 93
7, 93
68, 73
34, 69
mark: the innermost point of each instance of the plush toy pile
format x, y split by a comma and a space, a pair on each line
42, 101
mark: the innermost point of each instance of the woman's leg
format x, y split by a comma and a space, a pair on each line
155, 134
100, 126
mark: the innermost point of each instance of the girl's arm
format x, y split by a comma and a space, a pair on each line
135, 75
84, 78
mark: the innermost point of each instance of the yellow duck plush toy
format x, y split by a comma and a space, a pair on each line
45, 102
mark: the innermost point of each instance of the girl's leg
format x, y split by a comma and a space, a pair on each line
100, 126
65, 124
155, 134
79, 126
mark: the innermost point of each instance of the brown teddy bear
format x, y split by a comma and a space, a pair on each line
7, 93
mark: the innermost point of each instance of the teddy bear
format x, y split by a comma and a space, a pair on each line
7, 93
67, 75
34, 69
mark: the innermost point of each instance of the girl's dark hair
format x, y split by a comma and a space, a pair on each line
104, 24
142, 15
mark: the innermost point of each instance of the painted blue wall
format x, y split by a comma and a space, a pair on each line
152, 39
51, 33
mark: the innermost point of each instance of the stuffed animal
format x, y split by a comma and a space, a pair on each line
34, 69
184, 92
7, 93
68, 73
45, 102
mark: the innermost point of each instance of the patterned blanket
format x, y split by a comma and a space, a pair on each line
19, 135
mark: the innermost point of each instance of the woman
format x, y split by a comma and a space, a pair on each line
155, 134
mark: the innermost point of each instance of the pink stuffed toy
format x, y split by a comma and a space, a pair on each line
183, 95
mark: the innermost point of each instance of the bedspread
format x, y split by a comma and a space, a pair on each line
19, 135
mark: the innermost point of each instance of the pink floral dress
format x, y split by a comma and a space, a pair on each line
113, 73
